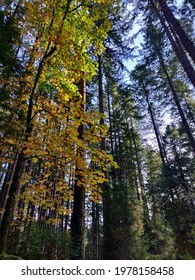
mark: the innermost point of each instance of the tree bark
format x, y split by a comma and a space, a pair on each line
183, 37
6, 186
105, 186
9, 210
95, 231
176, 99
78, 215
154, 125
182, 57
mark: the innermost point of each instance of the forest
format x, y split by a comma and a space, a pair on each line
97, 129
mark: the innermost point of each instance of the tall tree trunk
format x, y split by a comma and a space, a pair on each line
6, 186
154, 125
105, 186
78, 215
176, 99
110, 124
183, 37
95, 230
182, 57
9, 209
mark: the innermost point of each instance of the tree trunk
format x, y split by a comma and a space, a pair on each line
176, 99
95, 231
105, 186
78, 215
154, 125
183, 37
9, 210
182, 57
6, 186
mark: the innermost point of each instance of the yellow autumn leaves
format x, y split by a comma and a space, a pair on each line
73, 36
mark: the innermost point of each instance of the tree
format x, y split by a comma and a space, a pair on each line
176, 47
59, 92
78, 215
175, 24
